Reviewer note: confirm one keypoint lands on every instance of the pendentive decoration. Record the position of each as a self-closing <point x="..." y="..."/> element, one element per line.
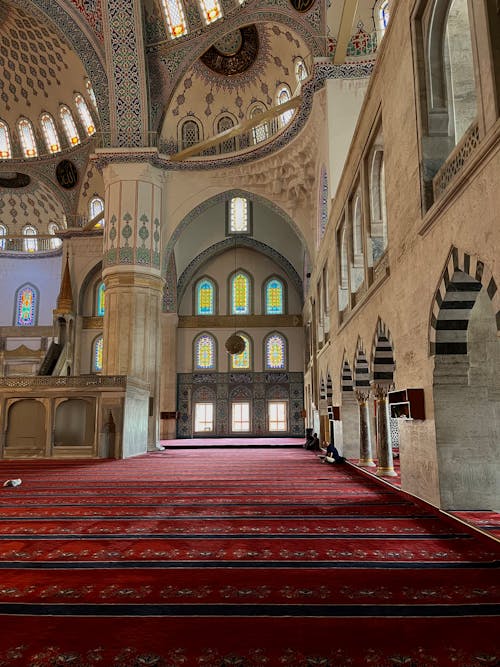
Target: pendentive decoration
<point x="67" y="174"/>
<point x="235" y="344"/>
<point x="234" y="53"/>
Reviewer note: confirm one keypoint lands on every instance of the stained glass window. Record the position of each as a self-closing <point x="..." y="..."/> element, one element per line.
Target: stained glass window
<point x="240" y="294"/>
<point x="30" y="242"/>
<point x="205" y="297"/>
<point x="4" y="141"/>
<point x="174" y="14"/>
<point x="50" y="133"/>
<point x="69" y="126"/>
<point x="100" y="300"/>
<point x="3" y="234"/>
<point x="96" y="206"/>
<point x="274" y="297"/>
<point x="97" y="356"/>
<point x="384" y="14"/>
<point x="204" y="352"/>
<point x="26" y="306"/>
<point x="91" y="93"/>
<point x="211" y="10"/>
<point x="27" y="137"/>
<point x="84" y="113"/>
<point x="238" y="215"/>
<point x="275" y="352"/>
<point x="241" y="361"/>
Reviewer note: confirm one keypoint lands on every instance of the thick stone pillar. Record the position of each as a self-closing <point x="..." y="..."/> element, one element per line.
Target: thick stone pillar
<point x="168" y="387"/>
<point x="133" y="283"/>
<point x="365" y="440"/>
<point x="385" y="466"/>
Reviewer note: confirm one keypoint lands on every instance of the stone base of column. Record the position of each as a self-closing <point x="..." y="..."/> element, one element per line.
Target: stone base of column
<point x="386" y="472"/>
<point x="366" y="463"/>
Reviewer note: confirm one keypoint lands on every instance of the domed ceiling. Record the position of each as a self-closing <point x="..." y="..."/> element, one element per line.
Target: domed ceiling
<point x="38" y="71"/>
<point x="33" y="204"/>
<point x="240" y="70"/>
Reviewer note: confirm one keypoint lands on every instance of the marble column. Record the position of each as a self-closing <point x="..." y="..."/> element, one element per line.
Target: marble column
<point x="365" y="441"/>
<point x="385" y="466"/>
<point x="133" y="284"/>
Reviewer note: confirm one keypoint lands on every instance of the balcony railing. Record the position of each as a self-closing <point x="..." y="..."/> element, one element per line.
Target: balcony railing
<point x="30" y="244"/>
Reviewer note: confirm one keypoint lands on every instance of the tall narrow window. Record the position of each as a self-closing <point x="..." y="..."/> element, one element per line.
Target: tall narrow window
<point x="240" y="294"/>
<point x="69" y="126"/>
<point x="301" y="72"/>
<point x="259" y="132"/>
<point x="239" y="215"/>
<point x="242" y="361"/>
<point x="3" y="237"/>
<point x="275" y="352"/>
<point x="91" y="93"/>
<point x="30" y="242"/>
<point x="96" y="206"/>
<point x="240" y="417"/>
<point x="205" y="297"/>
<point x="27" y="137"/>
<point x="205" y="353"/>
<point x="274" y="297"/>
<point x="5" y="151"/>
<point x="211" y="10"/>
<point x="55" y="242"/>
<point x="50" y="133"/>
<point x="97" y="355"/>
<point x="203" y="417"/>
<point x="190" y="133"/>
<point x="277" y="415"/>
<point x="100" y="305"/>
<point x="26" y="306"/>
<point x="174" y="14"/>
<point x="228" y="145"/>
<point x="323" y="203"/>
<point x="283" y="95"/>
<point x="84" y="113"/>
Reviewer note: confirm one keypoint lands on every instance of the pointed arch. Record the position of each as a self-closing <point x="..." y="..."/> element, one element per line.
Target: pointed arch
<point x="361" y="368"/>
<point x="274" y="296"/>
<point x="383" y="364"/>
<point x="240" y="293"/>
<point x="329" y="388"/>
<point x="205" y="296"/>
<point x="462" y="279"/>
<point x="97" y="352"/>
<point x="346" y="382"/>
<point x="322" y="388"/>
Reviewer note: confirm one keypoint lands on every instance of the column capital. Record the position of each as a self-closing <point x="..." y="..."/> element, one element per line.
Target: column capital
<point x="380" y="390"/>
<point x="362" y="396"/>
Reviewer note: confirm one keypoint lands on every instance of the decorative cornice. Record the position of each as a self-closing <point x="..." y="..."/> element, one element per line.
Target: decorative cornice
<point x="92" y="323"/>
<point x="241" y="321"/>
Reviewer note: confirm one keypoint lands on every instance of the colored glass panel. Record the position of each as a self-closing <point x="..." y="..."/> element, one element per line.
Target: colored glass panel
<point x="205" y="298"/>
<point x="275" y="352"/>
<point x="26" y="308"/>
<point x="30" y="242"/>
<point x="205" y="353"/>
<point x="69" y="126"/>
<point x="274" y="297"/>
<point x="174" y="14"/>
<point x="240" y="294"/>
<point x="27" y="137"/>
<point x="4" y="141"/>
<point x="96" y="206"/>
<point x="242" y="361"/>
<point x="84" y="113"/>
<point x="211" y="10"/>
<point x="100" y="300"/>
<point x="239" y="215"/>
<point x="50" y="133"/>
<point x="98" y="347"/>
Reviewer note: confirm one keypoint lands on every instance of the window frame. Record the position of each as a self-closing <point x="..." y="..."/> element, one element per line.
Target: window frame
<point x="266" y="366"/>
<point x="194" y="356"/>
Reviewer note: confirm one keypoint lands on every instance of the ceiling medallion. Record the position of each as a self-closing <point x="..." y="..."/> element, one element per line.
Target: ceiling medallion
<point x="234" y="53"/>
<point x="14" y="180"/>
<point x="302" y="5"/>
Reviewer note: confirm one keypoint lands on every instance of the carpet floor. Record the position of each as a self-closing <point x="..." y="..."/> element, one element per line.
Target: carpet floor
<point x="236" y="558"/>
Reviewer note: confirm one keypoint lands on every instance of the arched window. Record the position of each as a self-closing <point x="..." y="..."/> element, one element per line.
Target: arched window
<point x="383" y="15"/>
<point x="275" y="352"/>
<point x="357" y="256"/>
<point x="274" y="296"/>
<point x="239" y="218"/>
<point x="84" y="113"/>
<point x="100" y="300"/>
<point x="50" y="133"/>
<point x="27" y="137"/>
<point x="301" y="72"/>
<point x="323" y="203"/>
<point x="69" y="126"/>
<point x="343" y="264"/>
<point x="96" y="206"/>
<point x="283" y="95"/>
<point x="205" y="297"/>
<point x="5" y="151"/>
<point x="97" y="350"/>
<point x="229" y="145"/>
<point x="211" y="10"/>
<point x="205" y="355"/>
<point x="259" y="132"/>
<point x="240" y="294"/>
<point x="378" y="214"/>
<point x="26" y="301"/>
<point x="242" y="361"/>
<point x="190" y="133"/>
<point x="3" y="235"/>
<point x="174" y="15"/>
<point x="55" y="243"/>
<point x="91" y="94"/>
<point x="30" y="242"/>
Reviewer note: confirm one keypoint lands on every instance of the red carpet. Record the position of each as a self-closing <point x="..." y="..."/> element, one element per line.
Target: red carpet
<point x="236" y="558"/>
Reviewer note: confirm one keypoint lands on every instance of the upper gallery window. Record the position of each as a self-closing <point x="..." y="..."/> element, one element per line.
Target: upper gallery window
<point x="84" y="113"/>
<point x="190" y="133"/>
<point x="100" y="300"/>
<point x="69" y="126"/>
<point x="301" y="72"/>
<point x="274" y="297"/>
<point x="3" y="239"/>
<point x="26" y="306"/>
<point x="5" y="151"/>
<point x="97" y="354"/>
<point x="30" y="242"/>
<point x="91" y="93"/>
<point x="259" y="132"/>
<point x="96" y="206"/>
<point x="50" y="133"/>
<point x="55" y="242"/>
<point x="174" y="13"/>
<point x="228" y="145"/>
<point x="275" y="352"/>
<point x="240" y="294"/>
<point x="205" y="352"/>
<point x="205" y="297"/>
<point x="283" y="95"/>
<point x="27" y="137"/>
<point x="211" y="10"/>
<point x="239" y="216"/>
